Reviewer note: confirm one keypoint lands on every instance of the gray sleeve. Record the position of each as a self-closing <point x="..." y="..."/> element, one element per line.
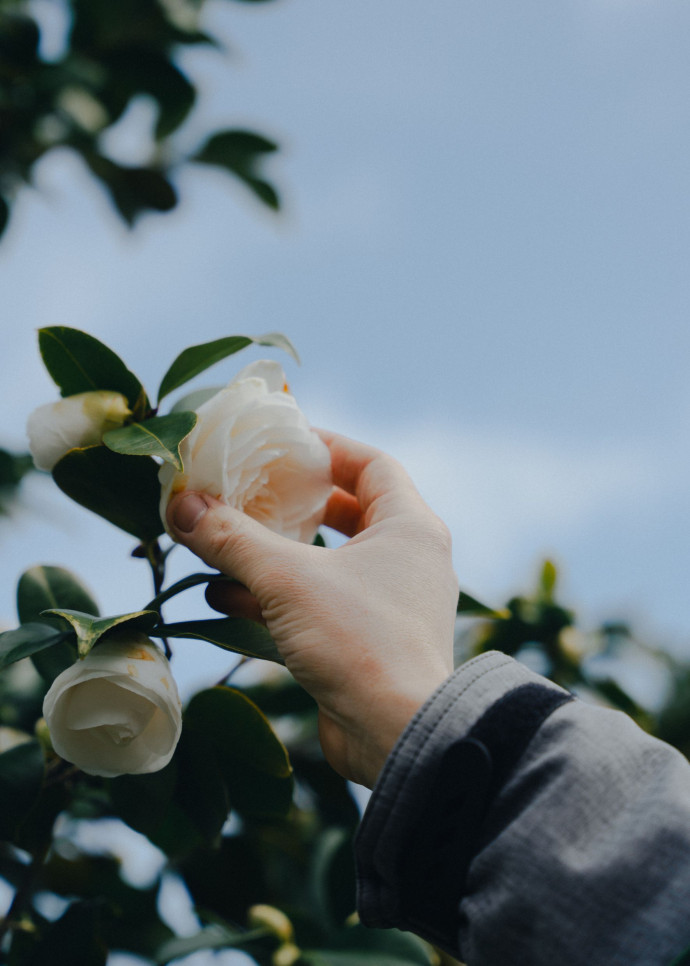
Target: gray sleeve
<point x="513" y="826"/>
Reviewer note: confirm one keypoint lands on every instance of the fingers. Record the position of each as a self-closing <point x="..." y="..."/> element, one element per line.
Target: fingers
<point x="348" y="459"/>
<point x="380" y="484"/>
<point x="343" y="513"/>
<point x="229" y="540"/>
<point x="234" y="600"/>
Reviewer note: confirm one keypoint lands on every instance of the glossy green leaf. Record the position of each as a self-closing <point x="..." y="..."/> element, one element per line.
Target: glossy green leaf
<point x="90" y="629"/>
<point x="160" y="436"/>
<point x="253" y="762"/>
<point x="78" y="363"/>
<point x="240" y="152"/>
<point x="198" y="358"/>
<point x="43" y="587"/>
<point x="27" y="640"/>
<point x="231" y="633"/>
<point x="122" y="489"/>
<point x="39" y="589"/>
<point x="21" y="777"/>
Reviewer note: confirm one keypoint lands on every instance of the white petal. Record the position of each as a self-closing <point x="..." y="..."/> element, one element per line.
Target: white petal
<point x="116" y="711"/>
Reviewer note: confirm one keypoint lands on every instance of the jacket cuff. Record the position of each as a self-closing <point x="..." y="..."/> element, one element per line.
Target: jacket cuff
<point x="422" y="826"/>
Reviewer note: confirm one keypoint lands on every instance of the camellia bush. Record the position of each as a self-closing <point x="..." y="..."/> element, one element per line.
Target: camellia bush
<point x="90" y="717"/>
<point x="256" y="829"/>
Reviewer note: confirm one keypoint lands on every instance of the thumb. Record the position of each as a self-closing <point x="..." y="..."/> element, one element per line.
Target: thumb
<point x="227" y="539"/>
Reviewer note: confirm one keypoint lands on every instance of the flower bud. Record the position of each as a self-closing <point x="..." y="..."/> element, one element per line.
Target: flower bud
<point x="271" y="919"/>
<point x="286" y="955"/>
<point x="116" y="711"/>
<point x="81" y="420"/>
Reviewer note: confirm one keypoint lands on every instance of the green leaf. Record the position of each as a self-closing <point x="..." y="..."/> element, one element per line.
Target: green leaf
<point x="240" y="152"/>
<point x="21" y="777"/>
<point x="231" y="633"/>
<point x="142" y="800"/>
<point x="39" y="589"/>
<point x="332" y="876"/>
<point x="470" y="605"/>
<point x="253" y="762"/>
<point x="43" y="587"/>
<point x="180" y="807"/>
<point x="198" y="358"/>
<point x="27" y="640"/>
<point x="133" y="190"/>
<point x="122" y="489"/>
<point x="160" y="436"/>
<point x="201" y="790"/>
<point x="78" y="363"/>
<point x="90" y="629"/>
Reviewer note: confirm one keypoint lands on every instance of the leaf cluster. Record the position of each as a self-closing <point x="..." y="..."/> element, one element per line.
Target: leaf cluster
<point x="118" y="479"/>
<point x="539" y="630"/>
<point x="291" y="853"/>
<point x="113" y="54"/>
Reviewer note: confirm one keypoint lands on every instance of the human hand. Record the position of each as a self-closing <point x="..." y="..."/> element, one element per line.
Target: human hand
<point x="365" y="628"/>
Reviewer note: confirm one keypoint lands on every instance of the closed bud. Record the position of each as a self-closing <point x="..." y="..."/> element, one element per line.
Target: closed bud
<point x="271" y="919"/>
<point x="75" y="421"/>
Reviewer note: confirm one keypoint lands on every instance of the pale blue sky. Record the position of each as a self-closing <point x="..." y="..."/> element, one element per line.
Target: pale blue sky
<point x="483" y="261"/>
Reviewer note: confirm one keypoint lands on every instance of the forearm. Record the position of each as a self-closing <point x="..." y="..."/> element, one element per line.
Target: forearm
<point x="562" y="835"/>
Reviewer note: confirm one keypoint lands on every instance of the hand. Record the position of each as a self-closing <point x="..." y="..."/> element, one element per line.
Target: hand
<point x="365" y="628"/>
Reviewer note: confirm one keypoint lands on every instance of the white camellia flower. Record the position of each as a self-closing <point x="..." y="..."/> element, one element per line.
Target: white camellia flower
<point x="79" y="420"/>
<point x="253" y="448"/>
<point x="116" y="711"/>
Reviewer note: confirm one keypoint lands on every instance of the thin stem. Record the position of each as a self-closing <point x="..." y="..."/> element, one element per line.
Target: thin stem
<point x="156" y="558"/>
<point x="242" y="661"/>
<point x="184" y="584"/>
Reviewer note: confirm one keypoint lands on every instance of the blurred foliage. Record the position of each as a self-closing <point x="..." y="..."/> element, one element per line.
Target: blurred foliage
<point x="13" y="469"/>
<point x="608" y="665"/>
<point x="257" y="830"/>
<point x="113" y="54"/>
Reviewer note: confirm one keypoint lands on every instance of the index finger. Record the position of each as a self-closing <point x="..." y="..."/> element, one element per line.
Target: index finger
<point x="380" y="484"/>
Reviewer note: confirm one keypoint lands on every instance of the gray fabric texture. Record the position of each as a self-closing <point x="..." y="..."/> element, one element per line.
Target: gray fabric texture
<point x="581" y="858"/>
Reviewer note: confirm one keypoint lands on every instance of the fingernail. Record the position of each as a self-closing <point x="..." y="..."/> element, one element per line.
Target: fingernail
<point x="188" y="511"/>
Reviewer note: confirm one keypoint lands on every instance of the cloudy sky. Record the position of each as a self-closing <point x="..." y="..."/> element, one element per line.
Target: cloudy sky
<point x="483" y="261"/>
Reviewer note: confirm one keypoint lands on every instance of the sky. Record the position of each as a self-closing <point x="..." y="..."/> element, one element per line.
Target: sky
<point x="482" y="260"/>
